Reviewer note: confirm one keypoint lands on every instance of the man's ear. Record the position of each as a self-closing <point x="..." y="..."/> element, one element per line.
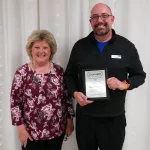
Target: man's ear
<point x="113" y="19"/>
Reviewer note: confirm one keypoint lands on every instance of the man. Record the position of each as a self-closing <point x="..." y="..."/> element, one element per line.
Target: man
<point x="101" y="123"/>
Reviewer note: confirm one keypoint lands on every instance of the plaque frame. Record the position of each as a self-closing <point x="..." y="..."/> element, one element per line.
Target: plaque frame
<point x="84" y="84"/>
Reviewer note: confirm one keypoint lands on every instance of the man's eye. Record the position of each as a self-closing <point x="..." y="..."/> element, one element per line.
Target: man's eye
<point x="105" y="16"/>
<point x="95" y="17"/>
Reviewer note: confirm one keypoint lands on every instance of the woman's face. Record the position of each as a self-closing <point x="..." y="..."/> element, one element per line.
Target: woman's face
<point x="40" y="52"/>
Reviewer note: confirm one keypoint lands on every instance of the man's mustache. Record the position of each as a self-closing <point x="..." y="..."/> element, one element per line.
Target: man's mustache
<point x="99" y="24"/>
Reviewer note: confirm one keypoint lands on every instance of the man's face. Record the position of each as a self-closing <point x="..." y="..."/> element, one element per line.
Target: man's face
<point x="101" y="20"/>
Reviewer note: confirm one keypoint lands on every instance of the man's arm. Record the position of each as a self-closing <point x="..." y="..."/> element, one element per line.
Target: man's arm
<point x="136" y="75"/>
<point x="71" y="79"/>
<point x="71" y="73"/>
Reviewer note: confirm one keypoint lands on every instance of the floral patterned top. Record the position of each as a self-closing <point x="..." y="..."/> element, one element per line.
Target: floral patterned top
<point x="40" y="102"/>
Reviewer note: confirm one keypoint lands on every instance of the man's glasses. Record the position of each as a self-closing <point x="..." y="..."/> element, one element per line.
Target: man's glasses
<point x="102" y="16"/>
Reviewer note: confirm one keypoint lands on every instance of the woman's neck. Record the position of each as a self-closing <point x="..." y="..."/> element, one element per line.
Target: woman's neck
<point x="41" y="68"/>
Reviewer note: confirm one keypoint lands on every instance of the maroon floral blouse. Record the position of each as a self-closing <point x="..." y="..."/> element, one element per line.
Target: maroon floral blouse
<point x="40" y="102"/>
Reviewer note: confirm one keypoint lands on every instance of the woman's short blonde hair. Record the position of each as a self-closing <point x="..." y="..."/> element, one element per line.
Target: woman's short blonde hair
<point x="41" y="35"/>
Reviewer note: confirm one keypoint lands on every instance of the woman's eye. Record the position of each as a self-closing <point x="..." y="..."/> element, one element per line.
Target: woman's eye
<point x="37" y="47"/>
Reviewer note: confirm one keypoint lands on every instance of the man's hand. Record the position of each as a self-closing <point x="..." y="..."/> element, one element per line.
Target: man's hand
<point x="114" y="83"/>
<point x="23" y="135"/>
<point x="81" y="98"/>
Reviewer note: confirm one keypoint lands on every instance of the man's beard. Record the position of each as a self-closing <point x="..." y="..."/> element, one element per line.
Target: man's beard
<point x="99" y="32"/>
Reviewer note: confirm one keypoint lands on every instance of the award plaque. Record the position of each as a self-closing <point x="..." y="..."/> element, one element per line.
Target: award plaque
<point x="95" y="84"/>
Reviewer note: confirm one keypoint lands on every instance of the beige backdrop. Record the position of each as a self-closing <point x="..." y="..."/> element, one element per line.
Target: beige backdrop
<point x="68" y="21"/>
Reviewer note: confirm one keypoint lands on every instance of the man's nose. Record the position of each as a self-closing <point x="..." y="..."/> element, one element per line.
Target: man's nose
<point x="100" y="19"/>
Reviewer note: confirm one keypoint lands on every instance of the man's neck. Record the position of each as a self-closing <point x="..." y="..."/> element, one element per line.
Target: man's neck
<point x="104" y="38"/>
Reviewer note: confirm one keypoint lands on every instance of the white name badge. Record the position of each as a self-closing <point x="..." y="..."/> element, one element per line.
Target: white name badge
<point x="116" y="56"/>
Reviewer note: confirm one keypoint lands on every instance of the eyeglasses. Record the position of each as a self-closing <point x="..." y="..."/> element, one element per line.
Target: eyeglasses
<point x="102" y="16"/>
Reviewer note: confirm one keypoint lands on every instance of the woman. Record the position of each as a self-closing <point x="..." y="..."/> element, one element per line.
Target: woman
<point x="40" y="106"/>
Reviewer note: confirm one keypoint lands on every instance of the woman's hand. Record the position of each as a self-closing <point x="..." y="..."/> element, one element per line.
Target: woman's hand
<point x="70" y="127"/>
<point x="23" y="135"/>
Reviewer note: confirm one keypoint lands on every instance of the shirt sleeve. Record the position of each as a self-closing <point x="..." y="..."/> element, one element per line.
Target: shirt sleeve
<point x="136" y="75"/>
<point x="71" y="73"/>
<point x="68" y="102"/>
<point x="68" y="105"/>
<point x="16" y="99"/>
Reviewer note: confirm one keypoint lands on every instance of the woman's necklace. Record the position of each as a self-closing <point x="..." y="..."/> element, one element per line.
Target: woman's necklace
<point x="48" y="69"/>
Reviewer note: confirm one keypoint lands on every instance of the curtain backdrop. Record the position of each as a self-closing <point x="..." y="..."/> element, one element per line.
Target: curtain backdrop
<point x="68" y="20"/>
